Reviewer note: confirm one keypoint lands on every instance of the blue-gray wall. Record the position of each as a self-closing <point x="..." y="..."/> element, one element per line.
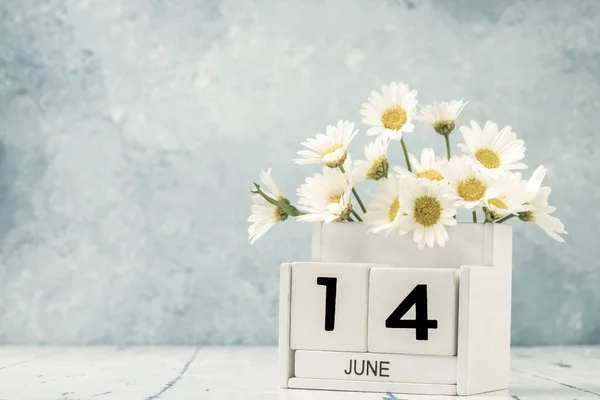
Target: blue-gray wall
<point x="132" y="130"/>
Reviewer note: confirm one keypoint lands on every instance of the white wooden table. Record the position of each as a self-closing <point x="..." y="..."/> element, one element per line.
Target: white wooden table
<point x="245" y="373"/>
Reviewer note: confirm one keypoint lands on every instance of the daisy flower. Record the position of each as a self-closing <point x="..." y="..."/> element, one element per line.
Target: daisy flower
<point x="376" y="166"/>
<point x="383" y="212"/>
<point x="442" y="116"/>
<point x="470" y="187"/>
<point x="428" y="211"/>
<point x="494" y="151"/>
<point x="326" y="197"/>
<point x="390" y="112"/>
<point x="511" y="198"/>
<point x="427" y="168"/>
<point x="264" y="214"/>
<point x="331" y="148"/>
<point x="540" y="214"/>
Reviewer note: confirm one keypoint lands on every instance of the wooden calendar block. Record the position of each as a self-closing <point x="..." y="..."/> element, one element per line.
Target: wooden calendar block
<point x="352" y="243"/>
<point x="285" y="357"/>
<point x="375" y="367"/>
<point x="387" y="317"/>
<point x="484" y="319"/>
<point x="413" y="311"/>
<point x="329" y="306"/>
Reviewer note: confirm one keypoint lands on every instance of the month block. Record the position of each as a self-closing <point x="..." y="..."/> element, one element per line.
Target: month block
<point x="413" y="311"/>
<point x="375" y="367"/>
<point x="329" y="304"/>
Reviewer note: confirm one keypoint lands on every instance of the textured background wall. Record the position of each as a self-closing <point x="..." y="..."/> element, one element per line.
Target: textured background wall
<point x="132" y="130"/>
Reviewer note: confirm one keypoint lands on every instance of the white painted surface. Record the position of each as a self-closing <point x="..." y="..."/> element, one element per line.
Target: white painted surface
<point x="366" y="386"/>
<point x="308" y="307"/>
<point x="70" y="373"/>
<point x="351" y="243"/>
<point x="375" y="367"/>
<point x="388" y="287"/>
<point x="286" y="355"/>
<point x="249" y="373"/>
<point x="576" y="366"/>
<point x="484" y="317"/>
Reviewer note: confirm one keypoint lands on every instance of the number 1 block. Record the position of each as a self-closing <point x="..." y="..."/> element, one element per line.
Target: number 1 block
<point x="413" y="311"/>
<point x="329" y="304"/>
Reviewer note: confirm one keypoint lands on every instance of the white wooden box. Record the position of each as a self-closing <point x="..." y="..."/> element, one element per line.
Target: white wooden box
<point x="373" y="313"/>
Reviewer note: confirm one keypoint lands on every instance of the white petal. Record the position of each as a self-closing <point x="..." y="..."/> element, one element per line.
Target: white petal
<point x="408" y="127"/>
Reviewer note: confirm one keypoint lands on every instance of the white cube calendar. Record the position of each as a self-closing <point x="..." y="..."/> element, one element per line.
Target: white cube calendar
<point x="375" y="314"/>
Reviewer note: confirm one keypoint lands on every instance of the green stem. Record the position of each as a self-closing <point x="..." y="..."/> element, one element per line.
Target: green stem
<point x="474" y="216"/>
<point x="355" y="193"/>
<point x="501" y="220"/>
<point x="356" y="215"/>
<point x="285" y="206"/>
<point x="447" y="137"/>
<point x="405" y="155"/>
<point x="360" y="203"/>
<point x="349" y="218"/>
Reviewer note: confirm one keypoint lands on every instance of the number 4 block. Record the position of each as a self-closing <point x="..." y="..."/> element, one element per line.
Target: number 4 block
<point x="412" y="311"/>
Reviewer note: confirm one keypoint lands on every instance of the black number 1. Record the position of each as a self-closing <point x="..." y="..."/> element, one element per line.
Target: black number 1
<point x="418" y="298"/>
<point x="330" y="295"/>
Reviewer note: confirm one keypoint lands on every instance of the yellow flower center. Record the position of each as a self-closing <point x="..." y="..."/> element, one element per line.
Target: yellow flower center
<point x="278" y="213"/>
<point x="488" y="158"/>
<point x="444" y="127"/>
<point x="527" y="216"/>
<point x="331" y="149"/>
<point x="394" y="208"/>
<point x="337" y="162"/>
<point x="335" y="199"/>
<point x="498" y="203"/>
<point x="379" y="169"/>
<point x="427" y="211"/>
<point x="431" y="174"/>
<point x="471" y="189"/>
<point x="393" y="118"/>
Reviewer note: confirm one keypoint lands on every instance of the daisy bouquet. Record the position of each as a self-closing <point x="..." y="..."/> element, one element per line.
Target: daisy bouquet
<point x="423" y="195"/>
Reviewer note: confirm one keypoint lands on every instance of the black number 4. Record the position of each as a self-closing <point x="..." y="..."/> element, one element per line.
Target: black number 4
<point x="418" y="298"/>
